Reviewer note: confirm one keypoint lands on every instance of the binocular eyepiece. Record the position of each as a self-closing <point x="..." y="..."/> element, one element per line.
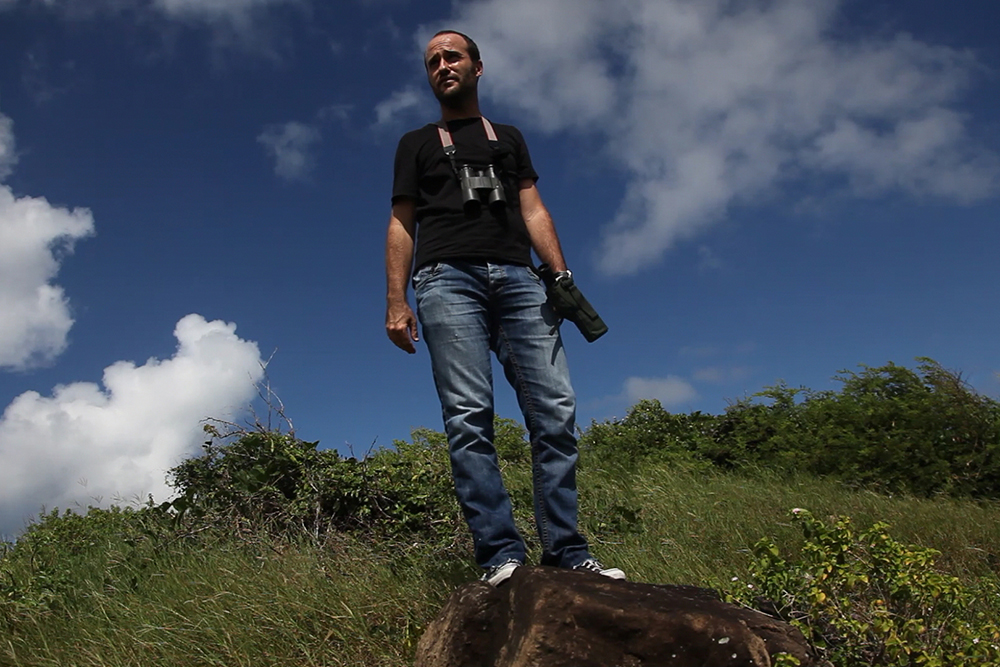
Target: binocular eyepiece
<point x="475" y="184"/>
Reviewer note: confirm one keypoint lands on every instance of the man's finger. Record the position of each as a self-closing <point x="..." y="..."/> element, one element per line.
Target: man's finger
<point x="401" y="339"/>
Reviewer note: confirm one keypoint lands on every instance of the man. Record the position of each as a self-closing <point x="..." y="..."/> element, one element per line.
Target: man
<point x="469" y="187"/>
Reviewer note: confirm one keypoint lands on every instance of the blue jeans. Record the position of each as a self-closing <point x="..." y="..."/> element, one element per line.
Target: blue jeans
<point x="466" y="310"/>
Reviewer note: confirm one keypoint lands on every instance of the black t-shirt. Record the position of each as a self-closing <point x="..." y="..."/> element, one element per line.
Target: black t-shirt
<point x="424" y="174"/>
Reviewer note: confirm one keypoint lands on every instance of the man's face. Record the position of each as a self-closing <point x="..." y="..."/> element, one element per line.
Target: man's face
<point x="450" y="71"/>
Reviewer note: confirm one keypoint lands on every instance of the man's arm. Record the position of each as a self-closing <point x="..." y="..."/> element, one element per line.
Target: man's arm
<point x="400" y="322"/>
<point x="541" y="229"/>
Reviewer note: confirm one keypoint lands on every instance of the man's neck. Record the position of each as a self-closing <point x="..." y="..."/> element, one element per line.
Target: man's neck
<point x="468" y="110"/>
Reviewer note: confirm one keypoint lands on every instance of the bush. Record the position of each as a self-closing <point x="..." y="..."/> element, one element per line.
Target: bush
<point x="923" y="432"/>
<point x="772" y="432"/>
<point x="274" y="481"/>
<point x="890" y="428"/>
<point x="865" y="599"/>
<point x="650" y="431"/>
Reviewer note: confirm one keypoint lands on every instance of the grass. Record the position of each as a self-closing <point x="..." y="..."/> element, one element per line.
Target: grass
<point x="259" y="602"/>
<point x="699" y="527"/>
<point x="234" y="599"/>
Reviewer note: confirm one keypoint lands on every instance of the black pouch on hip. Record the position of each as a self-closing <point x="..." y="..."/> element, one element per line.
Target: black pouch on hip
<point x="568" y="302"/>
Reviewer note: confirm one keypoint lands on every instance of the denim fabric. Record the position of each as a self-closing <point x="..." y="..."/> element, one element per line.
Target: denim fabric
<point x="467" y="310"/>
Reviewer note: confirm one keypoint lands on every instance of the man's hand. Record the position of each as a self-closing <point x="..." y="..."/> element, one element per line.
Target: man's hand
<point x="400" y="322"/>
<point x="401" y="326"/>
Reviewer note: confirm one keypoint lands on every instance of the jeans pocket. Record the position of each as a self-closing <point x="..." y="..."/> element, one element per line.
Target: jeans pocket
<point x="425" y="274"/>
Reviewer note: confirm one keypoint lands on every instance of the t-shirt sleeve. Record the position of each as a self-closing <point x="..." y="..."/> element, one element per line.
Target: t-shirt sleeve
<point x="525" y="170"/>
<point x="405" y="180"/>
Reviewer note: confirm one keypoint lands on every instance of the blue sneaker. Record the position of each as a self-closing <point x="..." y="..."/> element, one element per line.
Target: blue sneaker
<point x="594" y="565"/>
<point x="498" y="574"/>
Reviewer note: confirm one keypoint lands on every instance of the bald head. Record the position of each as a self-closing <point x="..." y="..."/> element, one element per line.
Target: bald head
<point x="470" y="46"/>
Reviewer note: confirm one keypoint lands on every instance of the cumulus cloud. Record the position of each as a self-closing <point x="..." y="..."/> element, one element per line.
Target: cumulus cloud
<point x="8" y="149"/>
<point x="90" y="445"/>
<point x="722" y="374"/>
<point x="670" y="391"/>
<point x="335" y="112"/>
<point x="707" y="104"/>
<point x="212" y="10"/>
<point x="399" y="103"/>
<point x="34" y="237"/>
<point x="239" y="21"/>
<point x="291" y="146"/>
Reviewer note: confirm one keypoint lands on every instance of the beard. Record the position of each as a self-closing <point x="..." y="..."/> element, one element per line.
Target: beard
<point x="458" y="96"/>
<point x="455" y="99"/>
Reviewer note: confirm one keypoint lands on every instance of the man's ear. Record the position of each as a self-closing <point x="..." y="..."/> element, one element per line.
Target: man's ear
<point x="479" y="69"/>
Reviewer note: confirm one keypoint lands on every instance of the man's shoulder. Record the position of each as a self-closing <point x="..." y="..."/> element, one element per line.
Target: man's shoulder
<point x="505" y="126"/>
<point x="504" y="129"/>
<point x="418" y="134"/>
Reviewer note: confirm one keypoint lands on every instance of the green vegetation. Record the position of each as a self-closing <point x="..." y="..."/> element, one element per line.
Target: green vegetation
<point x="867" y="599"/>
<point x="893" y="429"/>
<point x="277" y="553"/>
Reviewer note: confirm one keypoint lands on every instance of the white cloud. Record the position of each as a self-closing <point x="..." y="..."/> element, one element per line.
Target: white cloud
<point x="709" y="104"/>
<point x="670" y="391"/>
<point x="116" y="442"/>
<point x="398" y="104"/>
<point x="242" y="23"/>
<point x="722" y="374"/>
<point x="212" y="10"/>
<point x="291" y="146"/>
<point x="8" y="148"/>
<point x="240" y="19"/>
<point x="87" y="9"/>
<point x="34" y="237"/>
<point x="337" y="112"/>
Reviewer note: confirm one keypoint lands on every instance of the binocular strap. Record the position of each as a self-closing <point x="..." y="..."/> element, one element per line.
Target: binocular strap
<point x="449" y="146"/>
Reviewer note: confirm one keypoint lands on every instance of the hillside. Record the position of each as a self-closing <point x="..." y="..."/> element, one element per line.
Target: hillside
<point x="279" y="553"/>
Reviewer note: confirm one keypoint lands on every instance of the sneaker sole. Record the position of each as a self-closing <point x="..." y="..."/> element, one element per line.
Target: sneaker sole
<point x="503" y="574"/>
<point x="613" y="573"/>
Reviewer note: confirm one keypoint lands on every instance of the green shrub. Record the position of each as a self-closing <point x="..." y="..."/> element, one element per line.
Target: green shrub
<point x="865" y="599"/>
<point x="890" y="428"/>
<point x="274" y="481"/>
<point x="923" y="432"/>
<point x="649" y="431"/>
<point x="767" y="429"/>
<point x="510" y="440"/>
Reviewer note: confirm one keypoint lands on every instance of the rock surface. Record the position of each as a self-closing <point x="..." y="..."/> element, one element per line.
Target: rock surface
<point x="548" y="617"/>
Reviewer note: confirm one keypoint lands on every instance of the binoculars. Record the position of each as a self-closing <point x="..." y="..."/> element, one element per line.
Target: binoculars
<point x="477" y="183"/>
<point x="568" y="302"/>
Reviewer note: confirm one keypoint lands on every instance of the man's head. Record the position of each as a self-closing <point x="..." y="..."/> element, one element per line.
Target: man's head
<point x="453" y="67"/>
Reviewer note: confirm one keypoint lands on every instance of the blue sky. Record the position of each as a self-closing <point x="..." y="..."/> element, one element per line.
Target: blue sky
<point x="190" y="187"/>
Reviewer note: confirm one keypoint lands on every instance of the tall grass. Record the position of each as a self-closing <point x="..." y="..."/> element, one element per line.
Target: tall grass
<point x="698" y="527"/>
<point x="247" y="601"/>
<point x="226" y="597"/>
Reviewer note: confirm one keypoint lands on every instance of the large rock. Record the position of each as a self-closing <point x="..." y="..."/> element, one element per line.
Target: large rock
<point x="548" y="617"/>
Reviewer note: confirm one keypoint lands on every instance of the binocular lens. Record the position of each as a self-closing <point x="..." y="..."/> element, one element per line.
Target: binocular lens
<point x="472" y="207"/>
<point x="474" y="184"/>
